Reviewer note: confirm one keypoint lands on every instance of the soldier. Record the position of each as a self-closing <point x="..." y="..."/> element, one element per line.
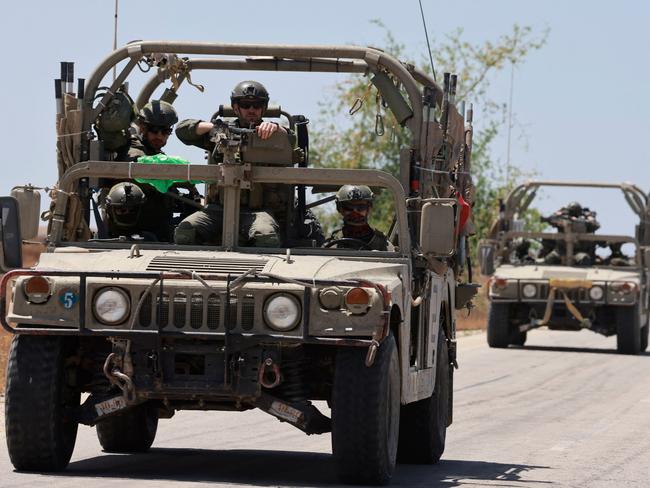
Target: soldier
<point x="155" y="122"/>
<point x="258" y="228"/>
<point x="124" y="207"/>
<point x="354" y="203"/>
<point x="156" y="209"/>
<point x="577" y="219"/>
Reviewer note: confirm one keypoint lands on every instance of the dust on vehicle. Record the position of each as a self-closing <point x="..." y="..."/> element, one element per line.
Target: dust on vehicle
<point x="146" y="328"/>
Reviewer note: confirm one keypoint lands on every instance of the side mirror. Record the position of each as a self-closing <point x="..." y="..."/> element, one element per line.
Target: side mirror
<point x="11" y="251"/>
<point x="486" y="255"/>
<point x="29" y="202"/>
<point x="438" y="227"/>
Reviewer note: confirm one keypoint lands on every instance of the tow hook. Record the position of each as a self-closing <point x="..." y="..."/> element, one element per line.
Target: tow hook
<point x="269" y="376"/>
<point x="372" y="353"/>
<point x="117" y="378"/>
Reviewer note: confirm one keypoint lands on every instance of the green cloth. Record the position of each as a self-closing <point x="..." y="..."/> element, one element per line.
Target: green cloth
<point x="162" y="185"/>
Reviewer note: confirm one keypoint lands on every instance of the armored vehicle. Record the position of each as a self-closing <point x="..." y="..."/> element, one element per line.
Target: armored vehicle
<point x="572" y="279"/>
<point x="142" y="329"/>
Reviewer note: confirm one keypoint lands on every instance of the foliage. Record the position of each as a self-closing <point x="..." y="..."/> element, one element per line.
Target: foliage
<point x="353" y="142"/>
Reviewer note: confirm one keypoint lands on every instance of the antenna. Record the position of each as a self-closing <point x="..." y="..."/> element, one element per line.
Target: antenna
<point x="426" y="35"/>
<point x="115" y="39"/>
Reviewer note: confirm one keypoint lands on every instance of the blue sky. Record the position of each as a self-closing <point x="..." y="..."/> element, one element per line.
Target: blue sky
<point x="581" y="100"/>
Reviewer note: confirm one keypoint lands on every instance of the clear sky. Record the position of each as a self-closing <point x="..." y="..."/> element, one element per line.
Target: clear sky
<point x="581" y="100"/>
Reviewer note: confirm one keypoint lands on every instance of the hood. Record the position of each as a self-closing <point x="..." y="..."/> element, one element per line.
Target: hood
<point x="300" y="266"/>
<point x="546" y="272"/>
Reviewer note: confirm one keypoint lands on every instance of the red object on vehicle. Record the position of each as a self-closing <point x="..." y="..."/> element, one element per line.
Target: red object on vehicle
<point x="465" y="212"/>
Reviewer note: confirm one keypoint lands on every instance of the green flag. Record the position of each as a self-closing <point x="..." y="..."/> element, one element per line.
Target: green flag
<point x="162" y="185"/>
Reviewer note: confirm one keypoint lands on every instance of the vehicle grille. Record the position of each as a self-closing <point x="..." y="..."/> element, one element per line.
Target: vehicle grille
<point x="574" y="294"/>
<point x="206" y="265"/>
<point x="199" y="311"/>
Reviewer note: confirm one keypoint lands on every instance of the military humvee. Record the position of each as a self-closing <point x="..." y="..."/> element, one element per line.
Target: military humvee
<point x="608" y="296"/>
<point x="148" y="328"/>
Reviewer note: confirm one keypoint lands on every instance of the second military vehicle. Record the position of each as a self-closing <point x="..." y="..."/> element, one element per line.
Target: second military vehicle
<point x="557" y="280"/>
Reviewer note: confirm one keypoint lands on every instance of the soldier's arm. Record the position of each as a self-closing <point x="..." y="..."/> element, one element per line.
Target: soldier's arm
<point x="195" y="132"/>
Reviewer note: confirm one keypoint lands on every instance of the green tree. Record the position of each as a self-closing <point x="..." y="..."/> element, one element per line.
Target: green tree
<point x="353" y="142"/>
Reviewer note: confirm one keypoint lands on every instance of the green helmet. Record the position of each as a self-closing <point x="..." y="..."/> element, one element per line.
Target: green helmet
<point x="249" y="90"/>
<point x="350" y="193"/>
<point x="158" y="113"/>
<point x="124" y="203"/>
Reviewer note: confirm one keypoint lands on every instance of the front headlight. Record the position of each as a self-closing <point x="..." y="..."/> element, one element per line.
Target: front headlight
<point x="596" y="293"/>
<point x="111" y="306"/>
<point x="282" y="311"/>
<point x="529" y="290"/>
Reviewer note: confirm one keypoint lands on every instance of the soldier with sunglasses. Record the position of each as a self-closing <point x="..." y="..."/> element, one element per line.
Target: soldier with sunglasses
<point x="155" y="122"/>
<point x="249" y="100"/>
<point x="354" y="203"/>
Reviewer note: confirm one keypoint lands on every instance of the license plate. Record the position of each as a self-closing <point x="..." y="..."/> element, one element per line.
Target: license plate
<point x="111" y="405"/>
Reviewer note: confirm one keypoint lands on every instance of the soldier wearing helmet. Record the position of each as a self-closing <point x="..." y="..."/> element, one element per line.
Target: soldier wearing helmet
<point x="155" y="122"/>
<point x="576" y="219"/>
<point x="249" y="100"/>
<point x="354" y="203"/>
<point x="124" y="204"/>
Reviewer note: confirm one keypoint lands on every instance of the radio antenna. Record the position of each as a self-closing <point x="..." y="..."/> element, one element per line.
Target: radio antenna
<point x="426" y="35"/>
<point x="115" y="39"/>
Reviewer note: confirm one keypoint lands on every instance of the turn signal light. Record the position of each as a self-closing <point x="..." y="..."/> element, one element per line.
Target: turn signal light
<point x="357" y="300"/>
<point x="37" y="289"/>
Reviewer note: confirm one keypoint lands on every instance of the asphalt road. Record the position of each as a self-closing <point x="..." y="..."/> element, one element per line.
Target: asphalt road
<point x="562" y="411"/>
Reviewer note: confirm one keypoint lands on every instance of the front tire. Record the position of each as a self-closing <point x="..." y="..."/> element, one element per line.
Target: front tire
<point x="628" y="330"/>
<point x="498" y="327"/>
<point x="132" y="431"/>
<point x="423" y="424"/>
<point x="365" y="414"/>
<point x="41" y="431"/>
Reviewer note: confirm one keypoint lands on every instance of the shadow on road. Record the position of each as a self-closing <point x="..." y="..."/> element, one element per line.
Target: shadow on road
<point x="574" y="349"/>
<point x="264" y="468"/>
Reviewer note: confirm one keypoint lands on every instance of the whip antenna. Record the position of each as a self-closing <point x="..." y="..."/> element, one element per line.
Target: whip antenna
<point x="115" y="38"/>
<point x="426" y="35"/>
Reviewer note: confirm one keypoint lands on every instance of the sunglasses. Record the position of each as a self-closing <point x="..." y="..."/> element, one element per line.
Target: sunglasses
<point x="159" y="130"/>
<point x="247" y="105"/>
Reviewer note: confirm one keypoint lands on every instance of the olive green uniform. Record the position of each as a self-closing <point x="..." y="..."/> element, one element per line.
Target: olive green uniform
<point x="375" y="240"/>
<point x="257" y="220"/>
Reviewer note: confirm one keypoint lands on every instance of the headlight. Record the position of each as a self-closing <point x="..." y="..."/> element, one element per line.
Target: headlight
<point x="596" y="293"/>
<point x="111" y="306"/>
<point x="282" y="311"/>
<point x="529" y="290"/>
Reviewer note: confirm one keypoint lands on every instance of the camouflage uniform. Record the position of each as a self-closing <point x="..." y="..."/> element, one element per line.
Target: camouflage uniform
<point x="257" y="226"/>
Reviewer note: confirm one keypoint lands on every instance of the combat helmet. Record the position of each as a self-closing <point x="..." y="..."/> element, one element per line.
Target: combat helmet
<point x="350" y="193"/>
<point x="158" y="113"/>
<point x="574" y="209"/>
<point x="124" y="203"/>
<point x="249" y="90"/>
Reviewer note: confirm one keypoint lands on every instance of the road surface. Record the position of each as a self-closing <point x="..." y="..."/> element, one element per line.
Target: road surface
<point x="564" y="410"/>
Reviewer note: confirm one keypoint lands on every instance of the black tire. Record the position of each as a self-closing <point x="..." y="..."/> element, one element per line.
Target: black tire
<point x="132" y="431"/>
<point x="41" y="432"/>
<point x="644" y="337"/>
<point x="365" y="414"/>
<point x="518" y="338"/>
<point x="423" y="424"/>
<point x="498" y="327"/>
<point x="628" y="330"/>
